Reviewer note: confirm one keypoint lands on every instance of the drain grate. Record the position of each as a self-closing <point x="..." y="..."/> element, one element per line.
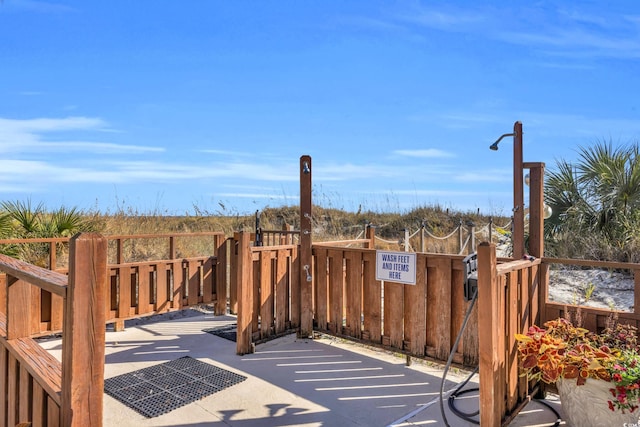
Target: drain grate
<point x="227" y="332"/>
<point x="159" y="389"/>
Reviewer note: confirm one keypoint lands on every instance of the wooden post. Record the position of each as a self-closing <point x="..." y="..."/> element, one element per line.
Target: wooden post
<point x="370" y="234"/>
<point x="488" y="336"/>
<point x="518" y="194"/>
<point x="245" y="293"/>
<point x="222" y="248"/>
<point x="306" y="256"/>
<point x="83" y="339"/>
<point x="18" y="308"/>
<point x="536" y="209"/>
<point x="52" y="256"/>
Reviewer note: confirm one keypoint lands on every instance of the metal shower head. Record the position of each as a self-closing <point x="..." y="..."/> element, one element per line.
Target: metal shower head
<point x="494" y="146"/>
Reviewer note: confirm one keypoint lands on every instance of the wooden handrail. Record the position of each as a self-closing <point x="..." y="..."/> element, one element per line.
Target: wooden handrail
<point x="592" y="263"/>
<point x="51" y="281"/>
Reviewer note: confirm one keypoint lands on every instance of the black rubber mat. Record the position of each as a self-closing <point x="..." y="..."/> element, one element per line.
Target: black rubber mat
<point x="227" y="332"/>
<point x="159" y="389"/>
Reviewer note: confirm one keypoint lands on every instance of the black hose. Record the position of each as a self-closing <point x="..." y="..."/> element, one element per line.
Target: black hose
<point x="457" y="391"/>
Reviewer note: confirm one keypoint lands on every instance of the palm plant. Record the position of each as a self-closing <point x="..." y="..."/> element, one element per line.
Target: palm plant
<point x="22" y="220"/>
<point x="595" y="202"/>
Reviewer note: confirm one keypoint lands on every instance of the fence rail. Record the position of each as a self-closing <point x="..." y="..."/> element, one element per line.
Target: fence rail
<point x="35" y="387"/>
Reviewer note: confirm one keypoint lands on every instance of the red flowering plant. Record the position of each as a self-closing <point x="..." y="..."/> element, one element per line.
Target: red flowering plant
<point x="562" y="350"/>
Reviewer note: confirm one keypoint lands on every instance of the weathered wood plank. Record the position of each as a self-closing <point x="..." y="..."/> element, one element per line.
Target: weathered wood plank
<point x="353" y="287"/>
<point x="12" y="391"/>
<point x="4" y="376"/>
<point x="322" y="295"/>
<point x="221" y="277"/>
<point x="488" y="331"/>
<point x="245" y="294"/>
<point x="39" y="406"/>
<point x="51" y="281"/>
<point x="393" y="314"/>
<point x="372" y="297"/>
<point x="336" y="283"/>
<point x="193" y="274"/>
<point x="24" y="395"/>
<point x="512" y="328"/>
<point x="53" y="413"/>
<point x="294" y="315"/>
<point x="145" y="294"/>
<point x="208" y="280"/>
<point x="415" y="309"/>
<point x="266" y="295"/>
<point x="281" y="287"/>
<point x="439" y="311"/>
<point x="18" y="308"/>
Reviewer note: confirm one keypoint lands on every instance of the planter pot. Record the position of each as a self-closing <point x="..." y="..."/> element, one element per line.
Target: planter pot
<point x="586" y="405"/>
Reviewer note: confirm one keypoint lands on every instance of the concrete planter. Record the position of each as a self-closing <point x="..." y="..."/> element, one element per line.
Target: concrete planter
<point x="586" y="405"/>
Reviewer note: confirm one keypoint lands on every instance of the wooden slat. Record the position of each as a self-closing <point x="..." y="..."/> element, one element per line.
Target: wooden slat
<point x="245" y="294"/>
<point x="18" y="308"/>
<point x="266" y="295"/>
<point x="4" y="383"/>
<point x="294" y="315"/>
<point x="336" y="279"/>
<point x="415" y="309"/>
<point x="281" y="288"/>
<point x="24" y="395"/>
<point x="235" y="271"/>
<point x="208" y="280"/>
<point x="488" y="331"/>
<point x="512" y="327"/>
<point x="39" y="406"/>
<point x="393" y="313"/>
<point x="439" y="311"/>
<point x="372" y="294"/>
<point x="53" y="413"/>
<point x="124" y="292"/>
<point x="57" y="312"/>
<point x="144" y="294"/>
<point x="524" y="321"/>
<point x="179" y="279"/>
<point x="36" y="311"/>
<point x="353" y="286"/>
<point x="193" y="271"/>
<point x="221" y="278"/>
<point x="12" y="391"/>
<point x="162" y="288"/>
<point x="322" y="294"/>
<point x="255" y="289"/>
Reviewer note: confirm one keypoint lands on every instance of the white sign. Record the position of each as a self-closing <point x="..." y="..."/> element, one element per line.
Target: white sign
<point x="396" y="267"/>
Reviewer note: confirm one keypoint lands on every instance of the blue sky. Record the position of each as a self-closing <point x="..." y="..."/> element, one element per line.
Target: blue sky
<point x="171" y="107"/>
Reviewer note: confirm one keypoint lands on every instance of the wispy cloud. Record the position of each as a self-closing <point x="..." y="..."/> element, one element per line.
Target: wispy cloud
<point x="432" y="153"/>
<point x="20" y="136"/>
<point x="39" y="6"/>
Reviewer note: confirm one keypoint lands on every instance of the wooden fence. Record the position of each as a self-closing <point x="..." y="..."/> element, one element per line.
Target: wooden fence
<point x="139" y="288"/>
<point x="34" y="386"/>
<point x="421" y="320"/>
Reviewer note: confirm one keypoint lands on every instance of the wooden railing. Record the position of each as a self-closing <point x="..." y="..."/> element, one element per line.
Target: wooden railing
<point x="511" y="297"/>
<point x="267" y="300"/>
<point x="35" y="387"/>
<point x="593" y="318"/>
<point x="140" y="288"/>
<point x="421" y="320"/>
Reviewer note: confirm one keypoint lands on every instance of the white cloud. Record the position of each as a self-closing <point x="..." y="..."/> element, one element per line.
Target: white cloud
<point x="432" y="153"/>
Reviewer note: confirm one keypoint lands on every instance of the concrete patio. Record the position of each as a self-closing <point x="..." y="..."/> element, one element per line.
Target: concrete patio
<point x="289" y="381"/>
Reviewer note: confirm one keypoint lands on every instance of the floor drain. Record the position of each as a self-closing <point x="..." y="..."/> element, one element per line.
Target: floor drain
<point x="227" y="332"/>
<point x="159" y="389"/>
